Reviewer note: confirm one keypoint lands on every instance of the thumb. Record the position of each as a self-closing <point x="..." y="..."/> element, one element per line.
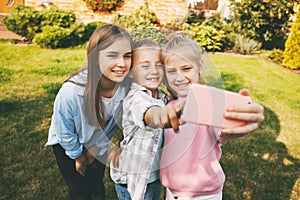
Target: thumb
<point x="244" y="92"/>
<point x="179" y="106"/>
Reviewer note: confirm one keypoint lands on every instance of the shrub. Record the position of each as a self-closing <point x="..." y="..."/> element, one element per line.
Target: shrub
<point x="292" y="46"/>
<point x="245" y="45"/>
<point x="52" y="37"/>
<point x="58" y="37"/>
<point x="142" y="17"/>
<point x="144" y="32"/>
<point x="267" y="21"/>
<point x="27" y="22"/>
<point x="220" y="24"/>
<point x="24" y="21"/>
<point x="276" y="56"/>
<point x="90" y="28"/>
<point x="208" y="37"/>
<point x="55" y="17"/>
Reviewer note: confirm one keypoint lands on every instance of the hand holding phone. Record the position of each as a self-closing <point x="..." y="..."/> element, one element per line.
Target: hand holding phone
<point x="207" y="105"/>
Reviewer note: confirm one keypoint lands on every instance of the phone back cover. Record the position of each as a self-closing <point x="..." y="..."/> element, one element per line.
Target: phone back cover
<point x="207" y="105"/>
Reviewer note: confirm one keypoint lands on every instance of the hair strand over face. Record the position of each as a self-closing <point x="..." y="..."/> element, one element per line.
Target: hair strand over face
<point x="102" y="38"/>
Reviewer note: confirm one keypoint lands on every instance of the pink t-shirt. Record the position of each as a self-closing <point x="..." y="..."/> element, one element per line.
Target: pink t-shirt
<point x="190" y="161"/>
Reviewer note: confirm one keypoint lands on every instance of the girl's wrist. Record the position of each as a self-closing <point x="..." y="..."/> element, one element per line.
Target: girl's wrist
<point x="81" y="158"/>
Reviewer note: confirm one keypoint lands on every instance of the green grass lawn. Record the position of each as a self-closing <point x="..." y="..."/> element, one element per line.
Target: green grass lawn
<point x="263" y="165"/>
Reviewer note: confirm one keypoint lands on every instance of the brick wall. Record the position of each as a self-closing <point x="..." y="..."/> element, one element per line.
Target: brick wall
<point x="166" y="10"/>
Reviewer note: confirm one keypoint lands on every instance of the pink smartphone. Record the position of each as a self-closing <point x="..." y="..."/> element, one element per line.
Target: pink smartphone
<point x="207" y="105"/>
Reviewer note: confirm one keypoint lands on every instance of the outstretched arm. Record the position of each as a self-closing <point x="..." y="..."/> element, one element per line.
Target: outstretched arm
<point x="164" y="117"/>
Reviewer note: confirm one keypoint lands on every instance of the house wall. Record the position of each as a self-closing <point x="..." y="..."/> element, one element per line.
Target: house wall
<point x="6" y="6"/>
<point x="166" y="10"/>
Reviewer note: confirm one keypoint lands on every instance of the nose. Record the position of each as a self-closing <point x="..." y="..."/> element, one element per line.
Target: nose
<point x="121" y="62"/>
<point x="154" y="69"/>
<point x="180" y="77"/>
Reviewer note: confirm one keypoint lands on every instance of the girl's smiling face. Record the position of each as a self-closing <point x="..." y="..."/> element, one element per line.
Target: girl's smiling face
<point x="147" y="69"/>
<point x="180" y="74"/>
<point x="115" y="60"/>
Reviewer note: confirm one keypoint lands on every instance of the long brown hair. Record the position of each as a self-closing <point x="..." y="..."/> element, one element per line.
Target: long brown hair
<point x="102" y="38"/>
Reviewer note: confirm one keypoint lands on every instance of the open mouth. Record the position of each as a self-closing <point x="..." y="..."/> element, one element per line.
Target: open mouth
<point x="119" y="72"/>
<point x="182" y="85"/>
<point x="153" y="79"/>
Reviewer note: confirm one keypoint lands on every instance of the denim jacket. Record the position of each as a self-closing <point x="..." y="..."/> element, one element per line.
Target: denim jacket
<point x="69" y="126"/>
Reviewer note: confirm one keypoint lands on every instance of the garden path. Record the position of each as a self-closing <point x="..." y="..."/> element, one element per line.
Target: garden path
<point x="6" y="34"/>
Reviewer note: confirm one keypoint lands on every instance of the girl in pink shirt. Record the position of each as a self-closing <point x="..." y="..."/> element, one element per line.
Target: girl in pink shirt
<point x="190" y="167"/>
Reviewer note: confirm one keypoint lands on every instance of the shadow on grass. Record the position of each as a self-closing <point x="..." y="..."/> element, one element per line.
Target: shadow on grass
<point x="258" y="166"/>
<point x="28" y="169"/>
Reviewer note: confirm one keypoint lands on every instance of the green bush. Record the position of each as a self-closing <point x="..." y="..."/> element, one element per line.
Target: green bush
<point x="220" y="24"/>
<point x="53" y="37"/>
<point x="27" y="22"/>
<point x="292" y="46"/>
<point x="90" y="28"/>
<point x="55" y="17"/>
<point x="144" y="32"/>
<point x="207" y="36"/>
<point x="58" y="37"/>
<point x="245" y="45"/>
<point x="24" y="21"/>
<point x="194" y="16"/>
<point x="142" y="17"/>
<point x="276" y="56"/>
<point x="267" y="21"/>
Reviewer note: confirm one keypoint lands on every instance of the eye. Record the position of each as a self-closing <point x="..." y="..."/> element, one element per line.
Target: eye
<point x="128" y="56"/>
<point x="171" y="71"/>
<point x="145" y="66"/>
<point x="187" y="68"/>
<point x="159" y="66"/>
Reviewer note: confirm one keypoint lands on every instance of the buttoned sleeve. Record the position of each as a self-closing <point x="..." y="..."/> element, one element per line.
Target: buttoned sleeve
<point x="64" y="119"/>
<point x="135" y="106"/>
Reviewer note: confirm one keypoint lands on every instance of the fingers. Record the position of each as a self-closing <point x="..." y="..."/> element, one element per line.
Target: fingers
<point x="89" y="157"/>
<point x="81" y="172"/>
<point x="80" y="168"/>
<point x="248" y="117"/>
<point x="173" y="114"/>
<point x="173" y="118"/>
<point x="253" y="112"/>
<point x="242" y="130"/>
<point x="114" y="157"/>
<point x="252" y="107"/>
<point x="115" y="162"/>
<point x="164" y="117"/>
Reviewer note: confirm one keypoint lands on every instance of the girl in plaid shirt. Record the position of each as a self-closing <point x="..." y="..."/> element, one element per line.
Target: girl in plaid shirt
<point x="144" y="116"/>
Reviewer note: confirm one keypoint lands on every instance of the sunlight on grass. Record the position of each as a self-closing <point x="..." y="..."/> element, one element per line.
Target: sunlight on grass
<point x="274" y="87"/>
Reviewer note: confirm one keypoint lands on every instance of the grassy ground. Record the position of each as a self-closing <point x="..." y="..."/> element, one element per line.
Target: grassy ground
<point x="264" y="165"/>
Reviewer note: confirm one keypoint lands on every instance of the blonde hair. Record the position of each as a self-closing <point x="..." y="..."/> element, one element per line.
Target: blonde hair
<point x="185" y="48"/>
<point x="192" y="49"/>
<point x="146" y="43"/>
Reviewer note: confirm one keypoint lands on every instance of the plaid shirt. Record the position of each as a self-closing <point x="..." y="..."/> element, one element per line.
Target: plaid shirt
<point x="140" y="143"/>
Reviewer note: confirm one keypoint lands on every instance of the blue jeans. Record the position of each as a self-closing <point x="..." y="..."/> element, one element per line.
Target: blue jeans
<point x="152" y="192"/>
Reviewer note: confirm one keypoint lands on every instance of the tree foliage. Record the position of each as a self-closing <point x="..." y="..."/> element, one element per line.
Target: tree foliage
<point x="266" y="21"/>
<point x="291" y="54"/>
